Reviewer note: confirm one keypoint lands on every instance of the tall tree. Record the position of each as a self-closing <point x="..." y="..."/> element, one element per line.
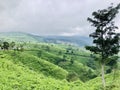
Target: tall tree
<point x="105" y="37"/>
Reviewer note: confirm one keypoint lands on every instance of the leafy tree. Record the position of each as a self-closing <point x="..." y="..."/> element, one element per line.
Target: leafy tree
<point x="47" y="48"/>
<point x="5" y="46"/>
<point x="64" y="58"/>
<point x="90" y="63"/>
<point x="1" y="43"/>
<point x="71" y="60"/>
<point x="72" y="76"/>
<point x="12" y="45"/>
<point x="39" y="53"/>
<point x="21" y="47"/>
<point x="60" y="52"/>
<point x="105" y="38"/>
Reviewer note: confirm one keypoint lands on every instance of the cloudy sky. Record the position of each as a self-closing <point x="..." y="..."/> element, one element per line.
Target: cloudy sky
<point x="50" y="17"/>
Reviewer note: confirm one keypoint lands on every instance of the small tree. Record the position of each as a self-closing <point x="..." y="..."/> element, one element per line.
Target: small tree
<point x="39" y="53"/>
<point x="105" y="39"/>
<point x="5" y="46"/>
<point x="12" y="45"/>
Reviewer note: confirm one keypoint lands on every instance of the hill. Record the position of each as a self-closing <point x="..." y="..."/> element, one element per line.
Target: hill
<point x="26" y="71"/>
<point x="17" y="76"/>
<point x="77" y="40"/>
<point x="17" y="37"/>
<point x="50" y="66"/>
<point x="26" y="37"/>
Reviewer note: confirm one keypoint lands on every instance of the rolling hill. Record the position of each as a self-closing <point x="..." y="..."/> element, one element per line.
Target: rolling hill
<point x="26" y="37"/>
<point x="17" y="37"/>
<point x="30" y="70"/>
<point x="51" y="63"/>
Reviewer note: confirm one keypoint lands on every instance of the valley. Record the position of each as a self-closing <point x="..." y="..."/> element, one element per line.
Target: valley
<point x="47" y="65"/>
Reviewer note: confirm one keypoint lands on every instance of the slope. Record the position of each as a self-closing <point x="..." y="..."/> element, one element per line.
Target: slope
<point x="26" y="37"/>
<point x="113" y="82"/>
<point x="15" y="75"/>
<point x="17" y="37"/>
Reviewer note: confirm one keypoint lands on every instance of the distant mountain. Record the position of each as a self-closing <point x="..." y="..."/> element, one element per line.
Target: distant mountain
<point x="26" y="37"/>
<point x="77" y="40"/>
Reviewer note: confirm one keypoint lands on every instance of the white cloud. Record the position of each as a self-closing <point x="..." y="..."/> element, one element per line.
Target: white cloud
<point x="83" y="31"/>
<point x="49" y="17"/>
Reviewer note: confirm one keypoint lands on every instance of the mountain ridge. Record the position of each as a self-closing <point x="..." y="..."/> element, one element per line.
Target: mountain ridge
<point x="27" y="37"/>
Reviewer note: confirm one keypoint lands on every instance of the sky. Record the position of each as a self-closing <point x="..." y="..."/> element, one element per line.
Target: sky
<point x="51" y="17"/>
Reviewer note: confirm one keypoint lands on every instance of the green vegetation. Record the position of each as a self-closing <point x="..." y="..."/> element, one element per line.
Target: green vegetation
<point x="105" y="38"/>
<point x="17" y="37"/>
<point x="20" y="77"/>
<point x="36" y="68"/>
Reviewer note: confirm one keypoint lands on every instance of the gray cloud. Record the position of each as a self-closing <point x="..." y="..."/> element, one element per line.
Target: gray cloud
<point x="50" y="17"/>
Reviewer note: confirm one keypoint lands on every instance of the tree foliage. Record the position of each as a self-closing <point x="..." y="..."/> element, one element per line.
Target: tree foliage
<point x="105" y="38"/>
<point x="5" y="46"/>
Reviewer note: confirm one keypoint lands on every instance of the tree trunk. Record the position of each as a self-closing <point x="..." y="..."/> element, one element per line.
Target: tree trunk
<point x="114" y="74"/>
<point x="103" y="73"/>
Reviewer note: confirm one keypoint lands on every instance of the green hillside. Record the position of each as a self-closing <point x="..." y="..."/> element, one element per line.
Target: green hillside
<point x="113" y="82"/>
<point x="19" y="77"/>
<point x="26" y="72"/>
<point x="26" y="37"/>
<point x="49" y="66"/>
<point x="17" y="37"/>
